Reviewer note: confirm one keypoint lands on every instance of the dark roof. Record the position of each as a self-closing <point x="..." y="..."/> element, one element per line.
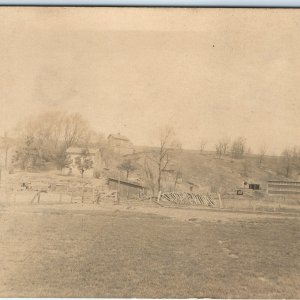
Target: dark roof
<point x="119" y="137"/>
<point x="193" y="184"/>
<point x="128" y="183"/>
<point x="283" y="182"/>
<point x="78" y="150"/>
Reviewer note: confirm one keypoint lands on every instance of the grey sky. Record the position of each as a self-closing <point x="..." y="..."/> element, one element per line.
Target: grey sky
<point x="207" y="72"/>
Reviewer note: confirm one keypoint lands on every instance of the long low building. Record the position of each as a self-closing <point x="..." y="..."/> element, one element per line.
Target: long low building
<point x="126" y="187"/>
<point x="279" y="187"/>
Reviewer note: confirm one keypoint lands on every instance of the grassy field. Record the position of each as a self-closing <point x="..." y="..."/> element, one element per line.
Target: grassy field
<point x="58" y="252"/>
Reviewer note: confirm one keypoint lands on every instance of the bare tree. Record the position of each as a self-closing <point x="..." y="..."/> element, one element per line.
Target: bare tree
<point x="62" y="160"/>
<point x="238" y="148"/>
<point x="6" y="144"/>
<point x="178" y="176"/>
<point x="219" y="150"/>
<point x="262" y="154"/>
<point x="290" y="158"/>
<point x="296" y="158"/>
<point x="76" y="130"/>
<point x="296" y="153"/>
<point x="203" y="143"/>
<point x="97" y="140"/>
<point x="150" y="177"/>
<point x="222" y="147"/>
<point x="84" y="162"/>
<point x="161" y="158"/>
<point x="45" y="129"/>
<point x="27" y="154"/>
<point x="167" y="145"/>
<point x="53" y="132"/>
<point x="128" y="166"/>
<point x="248" y="151"/>
<point x="287" y="155"/>
<point x="225" y="144"/>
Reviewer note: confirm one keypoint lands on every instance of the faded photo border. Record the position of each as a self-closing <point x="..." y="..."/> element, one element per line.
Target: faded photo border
<point x="291" y="4"/>
<point x="158" y="3"/>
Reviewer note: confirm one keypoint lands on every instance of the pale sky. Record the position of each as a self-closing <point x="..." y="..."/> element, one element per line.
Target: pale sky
<point x="207" y="72"/>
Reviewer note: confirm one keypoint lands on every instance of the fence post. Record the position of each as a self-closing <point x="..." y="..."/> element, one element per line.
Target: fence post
<point x="82" y="196"/>
<point x="158" y="197"/>
<point x="254" y="206"/>
<point x="34" y="197"/>
<point x="220" y="200"/>
<point x="117" y="199"/>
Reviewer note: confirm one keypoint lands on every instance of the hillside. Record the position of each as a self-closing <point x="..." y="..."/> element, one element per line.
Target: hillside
<point x="206" y="170"/>
<point x="203" y="170"/>
<point x="225" y="174"/>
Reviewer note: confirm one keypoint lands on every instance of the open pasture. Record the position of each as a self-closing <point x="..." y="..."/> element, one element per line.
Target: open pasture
<point x="77" y="251"/>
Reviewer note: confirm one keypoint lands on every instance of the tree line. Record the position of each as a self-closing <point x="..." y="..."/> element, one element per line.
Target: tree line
<point x="289" y="160"/>
<point x="44" y="138"/>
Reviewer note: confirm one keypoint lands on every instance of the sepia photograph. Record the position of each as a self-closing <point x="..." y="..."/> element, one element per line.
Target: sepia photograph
<point x="149" y="152"/>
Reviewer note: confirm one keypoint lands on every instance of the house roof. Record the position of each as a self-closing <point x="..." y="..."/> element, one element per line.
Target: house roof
<point x="78" y="150"/>
<point x="126" y="182"/>
<point x="192" y="184"/>
<point x="119" y="137"/>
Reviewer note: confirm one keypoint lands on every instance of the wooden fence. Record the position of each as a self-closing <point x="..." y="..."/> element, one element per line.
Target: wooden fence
<point x="183" y="198"/>
<point x="61" y="193"/>
<point x="83" y="193"/>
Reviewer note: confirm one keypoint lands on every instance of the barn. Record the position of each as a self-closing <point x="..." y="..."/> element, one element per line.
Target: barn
<point x="120" y="144"/>
<point x="127" y="188"/>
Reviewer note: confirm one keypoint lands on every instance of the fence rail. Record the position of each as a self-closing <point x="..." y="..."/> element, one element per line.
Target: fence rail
<point x="184" y="198"/>
<point x="38" y="192"/>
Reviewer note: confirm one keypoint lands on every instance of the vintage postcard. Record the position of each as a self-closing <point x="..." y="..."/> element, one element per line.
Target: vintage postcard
<point x="149" y="152"/>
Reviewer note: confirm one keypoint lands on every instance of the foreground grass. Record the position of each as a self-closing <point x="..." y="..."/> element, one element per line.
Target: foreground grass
<point x="126" y="254"/>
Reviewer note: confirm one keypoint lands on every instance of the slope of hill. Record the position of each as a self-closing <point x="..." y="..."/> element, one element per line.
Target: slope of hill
<point x="225" y="174"/>
<point x="205" y="169"/>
